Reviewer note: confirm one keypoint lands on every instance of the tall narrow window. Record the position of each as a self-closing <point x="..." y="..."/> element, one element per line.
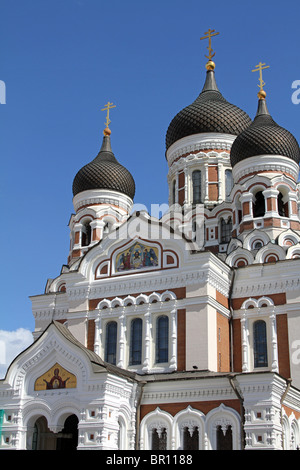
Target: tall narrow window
<point x="174" y="192"/>
<point x="282" y="207"/>
<point x="196" y="179"/>
<point x="162" y="339"/>
<point x="260" y="344"/>
<point x="136" y="342"/>
<point x="259" y="205"/>
<point x="226" y="229"/>
<point x="86" y="234"/>
<point x="111" y="342"/>
<point x="228" y="182"/>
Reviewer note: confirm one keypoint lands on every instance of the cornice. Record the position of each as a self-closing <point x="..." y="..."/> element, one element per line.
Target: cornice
<point x="198" y="142"/>
<point x="264" y="279"/>
<point x="261" y="163"/>
<point x="100" y="196"/>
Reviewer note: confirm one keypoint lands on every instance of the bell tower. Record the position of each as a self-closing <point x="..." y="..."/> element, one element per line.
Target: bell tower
<point x="103" y="193"/>
<point x="198" y="144"/>
<point x="265" y="161"/>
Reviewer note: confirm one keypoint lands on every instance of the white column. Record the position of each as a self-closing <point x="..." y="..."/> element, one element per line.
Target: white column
<point x="97" y="339"/>
<point x="186" y="180"/>
<point x="244" y="327"/>
<point x="274" y="343"/>
<point x="173" y="359"/>
<point x="122" y="341"/>
<point x="147" y="318"/>
<point x="206" y="198"/>
<point x="220" y="183"/>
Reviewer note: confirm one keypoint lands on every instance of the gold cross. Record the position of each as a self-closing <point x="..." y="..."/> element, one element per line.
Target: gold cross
<point x="209" y="36"/>
<point x="107" y="107"/>
<point x="260" y="67"/>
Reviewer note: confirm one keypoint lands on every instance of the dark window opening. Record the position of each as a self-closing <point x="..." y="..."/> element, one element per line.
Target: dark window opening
<point x="111" y="343"/>
<point x="136" y="341"/>
<point x="260" y="344"/>
<point x="259" y="205"/>
<point x="162" y="339"/>
<point x="191" y="439"/>
<point x="196" y="179"/>
<point x="159" y="439"/>
<point x="224" y="438"/>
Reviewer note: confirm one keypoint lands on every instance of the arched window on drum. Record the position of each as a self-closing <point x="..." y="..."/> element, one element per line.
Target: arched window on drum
<point x="196" y="180"/>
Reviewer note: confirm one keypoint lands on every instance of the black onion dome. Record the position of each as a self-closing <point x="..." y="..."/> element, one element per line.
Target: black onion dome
<point x="104" y="172"/>
<point x="264" y="137"/>
<point x="210" y="112"/>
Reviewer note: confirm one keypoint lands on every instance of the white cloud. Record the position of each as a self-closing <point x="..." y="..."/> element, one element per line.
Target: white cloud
<point x="12" y="343"/>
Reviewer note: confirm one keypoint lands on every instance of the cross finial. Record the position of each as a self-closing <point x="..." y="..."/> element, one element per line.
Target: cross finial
<point x="107" y="107"/>
<point x="209" y="34"/>
<point x="260" y="67"/>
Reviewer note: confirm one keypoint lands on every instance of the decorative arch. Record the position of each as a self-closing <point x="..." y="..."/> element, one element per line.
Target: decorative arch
<point x="293" y="252"/>
<point x="239" y="254"/>
<point x="156" y="420"/>
<point x="255" y="236"/>
<point x="223" y="417"/>
<point x="288" y="239"/>
<point x="270" y="253"/>
<point x="257" y="303"/>
<point x="189" y="419"/>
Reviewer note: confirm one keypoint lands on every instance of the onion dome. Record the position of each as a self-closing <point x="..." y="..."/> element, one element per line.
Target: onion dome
<point x="264" y="137"/>
<point x="104" y="172"/>
<point x="210" y="112"/>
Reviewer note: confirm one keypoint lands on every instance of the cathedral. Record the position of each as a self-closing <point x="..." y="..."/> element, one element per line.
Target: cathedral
<point x="177" y="333"/>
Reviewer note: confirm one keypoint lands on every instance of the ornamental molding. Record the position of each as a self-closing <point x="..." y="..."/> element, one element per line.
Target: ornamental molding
<point x="261" y="163"/>
<point x="99" y="196"/>
<point x="206" y="158"/>
<point x="249" y="289"/>
<point x="153" y="284"/>
<point x="198" y="142"/>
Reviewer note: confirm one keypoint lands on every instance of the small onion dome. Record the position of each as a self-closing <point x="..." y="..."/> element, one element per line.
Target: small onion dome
<point x="210" y="112"/>
<point x="264" y="137"/>
<point x="104" y="172"/>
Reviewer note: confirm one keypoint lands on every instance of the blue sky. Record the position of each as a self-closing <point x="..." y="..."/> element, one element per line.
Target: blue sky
<point x="62" y="60"/>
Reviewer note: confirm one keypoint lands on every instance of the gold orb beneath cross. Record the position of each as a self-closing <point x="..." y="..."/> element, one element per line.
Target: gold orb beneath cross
<point x="210" y="65"/>
<point x="261" y="94"/>
<point x="107" y="131"/>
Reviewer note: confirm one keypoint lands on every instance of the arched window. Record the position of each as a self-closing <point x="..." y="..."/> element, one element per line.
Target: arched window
<point x="111" y="342"/>
<point x="226" y="229"/>
<point x="259" y="205"/>
<point x="136" y="342"/>
<point x="86" y="234"/>
<point x="282" y="207"/>
<point x="260" y="344"/>
<point x="228" y="182"/>
<point x="174" y="192"/>
<point x="196" y="179"/>
<point x="162" y="339"/>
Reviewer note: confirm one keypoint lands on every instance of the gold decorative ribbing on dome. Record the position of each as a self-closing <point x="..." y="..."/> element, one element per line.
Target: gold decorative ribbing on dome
<point x="260" y="67"/>
<point x="107" y="107"/>
<point x="209" y="34"/>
